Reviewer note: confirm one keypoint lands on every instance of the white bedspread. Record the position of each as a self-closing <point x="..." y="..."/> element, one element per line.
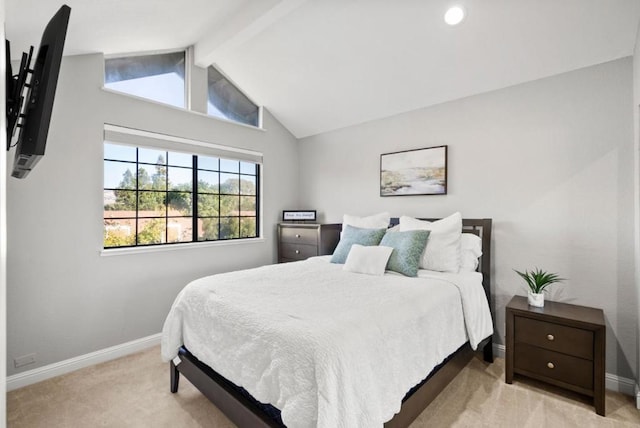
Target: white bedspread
<point x="329" y="348"/>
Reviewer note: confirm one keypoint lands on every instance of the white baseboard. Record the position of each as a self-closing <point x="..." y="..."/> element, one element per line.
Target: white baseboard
<point x="637" y="394"/>
<point x="56" y="369"/>
<point x="620" y="384"/>
<point x="612" y="382"/>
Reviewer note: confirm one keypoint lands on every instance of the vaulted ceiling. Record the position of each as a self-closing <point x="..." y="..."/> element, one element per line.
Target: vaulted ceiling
<point x="320" y="65"/>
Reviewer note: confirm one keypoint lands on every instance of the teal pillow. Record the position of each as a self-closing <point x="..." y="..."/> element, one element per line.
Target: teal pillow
<point x="407" y="250"/>
<point x="355" y="235"/>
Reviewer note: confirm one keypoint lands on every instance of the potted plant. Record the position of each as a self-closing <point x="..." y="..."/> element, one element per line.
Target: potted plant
<point x="538" y="280"/>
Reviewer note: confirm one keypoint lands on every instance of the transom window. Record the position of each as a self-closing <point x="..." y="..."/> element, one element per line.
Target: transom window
<point x="227" y="102"/>
<point x="158" y="77"/>
<point x="155" y="196"/>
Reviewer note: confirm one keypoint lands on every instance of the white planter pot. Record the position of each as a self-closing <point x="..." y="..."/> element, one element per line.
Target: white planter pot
<point x="536" y="299"/>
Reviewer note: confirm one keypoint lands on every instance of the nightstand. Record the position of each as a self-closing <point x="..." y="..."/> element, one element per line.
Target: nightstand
<point x="560" y="344"/>
<point x="299" y="241"/>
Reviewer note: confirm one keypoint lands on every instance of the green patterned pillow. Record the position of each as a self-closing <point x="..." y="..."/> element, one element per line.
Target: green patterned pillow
<point x="407" y="250"/>
<point x="355" y="235"/>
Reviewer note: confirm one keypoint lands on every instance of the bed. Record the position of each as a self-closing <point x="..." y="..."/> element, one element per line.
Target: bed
<point x="349" y="369"/>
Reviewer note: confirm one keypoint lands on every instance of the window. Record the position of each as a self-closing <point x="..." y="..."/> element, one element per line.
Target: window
<point x="159" y="77"/>
<point x="226" y="101"/>
<point x="155" y="196"/>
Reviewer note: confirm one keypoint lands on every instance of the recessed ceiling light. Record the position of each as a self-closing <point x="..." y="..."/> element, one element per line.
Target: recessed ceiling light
<point x="454" y="15"/>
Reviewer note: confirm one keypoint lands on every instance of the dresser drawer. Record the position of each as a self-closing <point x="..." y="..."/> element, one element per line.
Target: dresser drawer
<point x="297" y="251"/>
<point x="555" y="337"/>
<point x="299" y="235"/>
<point x="554" y="365"/>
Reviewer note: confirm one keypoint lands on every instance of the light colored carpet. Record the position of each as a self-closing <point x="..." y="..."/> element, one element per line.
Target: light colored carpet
<point x="134" y="392"/>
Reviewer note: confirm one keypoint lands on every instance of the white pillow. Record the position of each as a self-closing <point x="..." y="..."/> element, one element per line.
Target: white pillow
<point x="376" y="221"/>
<point x="443" y="251"/>
<point x="471" y="250"/>
<point x="393" y="229"/>
<point x="371" y="260"/>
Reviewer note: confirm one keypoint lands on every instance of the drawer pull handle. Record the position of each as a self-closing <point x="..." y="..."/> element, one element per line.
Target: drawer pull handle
<point x="297" y="251"/>
<point x="551" y="365"/>
<point x="550" y="337"/>
<point x="297" y="235"/>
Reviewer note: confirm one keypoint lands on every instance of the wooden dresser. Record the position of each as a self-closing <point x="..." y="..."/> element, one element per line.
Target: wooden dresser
<point x="298" y="241"/>
<point x="561" y="344"/>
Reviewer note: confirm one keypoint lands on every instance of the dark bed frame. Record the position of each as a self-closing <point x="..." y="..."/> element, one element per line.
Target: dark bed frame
<point x="244" y="411"/>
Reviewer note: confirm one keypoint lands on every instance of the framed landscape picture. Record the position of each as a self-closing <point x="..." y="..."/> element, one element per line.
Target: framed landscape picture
<point x="414" y="172"/>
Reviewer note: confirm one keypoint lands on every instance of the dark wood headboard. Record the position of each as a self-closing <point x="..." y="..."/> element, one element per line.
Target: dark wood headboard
<point x="482" y="228"/>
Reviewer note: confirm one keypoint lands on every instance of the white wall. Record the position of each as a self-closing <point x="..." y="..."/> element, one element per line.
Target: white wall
<point x="64" y="298"/>
<point x="551" y="161"/>
<point x="636" y="158"/>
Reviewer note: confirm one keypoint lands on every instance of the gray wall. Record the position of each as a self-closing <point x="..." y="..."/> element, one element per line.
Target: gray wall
<point x="636" y="177"/>
<point x="64" y="298"/>
<point x="551" y="161"/>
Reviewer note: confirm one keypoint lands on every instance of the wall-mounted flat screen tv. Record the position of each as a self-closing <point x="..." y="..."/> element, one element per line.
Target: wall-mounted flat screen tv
<point x="35" y="108"/>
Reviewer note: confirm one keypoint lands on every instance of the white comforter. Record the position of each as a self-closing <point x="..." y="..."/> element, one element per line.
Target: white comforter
<point x="329" y="348"/>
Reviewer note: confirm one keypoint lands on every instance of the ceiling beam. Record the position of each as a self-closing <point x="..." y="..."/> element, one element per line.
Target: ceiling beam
<point x="254" y="18"/>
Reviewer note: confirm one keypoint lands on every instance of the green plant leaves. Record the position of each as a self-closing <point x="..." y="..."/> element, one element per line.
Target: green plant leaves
<point x="538" y="280"/>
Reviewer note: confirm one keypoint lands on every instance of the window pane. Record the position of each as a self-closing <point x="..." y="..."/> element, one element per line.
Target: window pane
<point x="152" y="231"/>
<point x="152" y="177"/>
<point x="229" y="165"/>
<point x="229" y="228"/>
<point x="230" y="184"/>
<point x="152" y="156"/>
<point x="205" y="162"/>
<point x="248" y="168"/>
<point x="180" y="178"/>
<point x="227" y="102"/>
<point x="208" y="205"/>
<point x="157" y="77"/>
<point x="247" y="185"/>
<point x="248" y="227"/>
<point x="119" y="203"/>
<point x="119" y="175"/>
<point x="118" y="152"/>
<point x="152" y="204"/>
<point x="180" y="229"/>
<point x="247" y="206"/>
<point x="208" y="181"/>
<point x="180" y="203"/>
<point x="207" y="229"/>
<point x="180" y="159"/>
<point x="229" y="205"/>
<point x="119" y="233"/>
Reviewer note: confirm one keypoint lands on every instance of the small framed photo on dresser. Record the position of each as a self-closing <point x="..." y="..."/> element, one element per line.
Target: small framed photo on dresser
<point x="299" y="215"/>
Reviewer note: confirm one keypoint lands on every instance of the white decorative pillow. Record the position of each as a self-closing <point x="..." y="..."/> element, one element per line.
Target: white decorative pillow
<point x="371" y="260"/>
<point x="376" y="221"/>
<point x="471" y="250"/>
<point x="394" y="229"/>
<point x="443" y="252"/>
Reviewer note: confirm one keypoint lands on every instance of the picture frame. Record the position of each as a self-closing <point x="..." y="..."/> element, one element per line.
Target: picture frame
<point x="299" y="215"/>
<point x="414" y="172"/>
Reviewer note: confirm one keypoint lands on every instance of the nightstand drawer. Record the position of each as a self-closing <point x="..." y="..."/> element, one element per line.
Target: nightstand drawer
<point x="554" y="365"/>
<point x="555" y="337"/>
<point x="299" y="235"/>
<point x="298" y="251"/>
